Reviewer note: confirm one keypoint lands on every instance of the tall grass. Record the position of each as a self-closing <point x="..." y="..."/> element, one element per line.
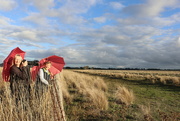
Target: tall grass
<point x="123" y="95"/>
<point x="92" y="89"/>
<point x="32" y="110"/>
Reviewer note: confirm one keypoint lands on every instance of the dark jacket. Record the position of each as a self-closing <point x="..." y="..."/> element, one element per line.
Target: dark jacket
<point x="19" y="79"/>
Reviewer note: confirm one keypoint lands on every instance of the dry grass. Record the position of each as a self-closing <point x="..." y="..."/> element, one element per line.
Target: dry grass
<point x="97" y="99"/>
<point x="93" y="90"/>
<point x="146" y="111"/>
<point x="29" y="110"/>
<point x="25" y="110"/>
<point x="164" y="77"/>
<point x="64" y="87"/>
<point x="91" y="87"/>
<point x="123" y="95"/>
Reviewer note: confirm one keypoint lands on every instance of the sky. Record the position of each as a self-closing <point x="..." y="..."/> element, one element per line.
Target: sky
<point x="95" y="33"/>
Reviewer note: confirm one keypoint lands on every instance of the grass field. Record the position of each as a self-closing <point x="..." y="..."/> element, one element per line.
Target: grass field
<point x="106" y="95"/>
<point x="152" y="101"/>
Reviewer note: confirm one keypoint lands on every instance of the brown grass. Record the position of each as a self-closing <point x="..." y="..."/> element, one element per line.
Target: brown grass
<point x="146" y="111"/>
<point x="91" y="87"/>
<point x="123" y="95"/>
<point x="24" y="111"/>
<point x="164" y="77"/>
<point x="97" y="98"/>
<point x="64" y="87"/>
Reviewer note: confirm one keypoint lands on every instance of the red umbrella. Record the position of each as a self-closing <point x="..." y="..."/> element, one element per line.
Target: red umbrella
<point x="56" y="62"/>
<point x="34" y="72"/>
<point x="8" y="62"/>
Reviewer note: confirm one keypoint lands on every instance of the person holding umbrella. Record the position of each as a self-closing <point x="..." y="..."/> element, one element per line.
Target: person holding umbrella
<point x="45" y="76"/>
<point x="43" y="79"/>
<point x="19" y="79"/>
<point x="44" y="73"/>
<point x="16" y="72"/>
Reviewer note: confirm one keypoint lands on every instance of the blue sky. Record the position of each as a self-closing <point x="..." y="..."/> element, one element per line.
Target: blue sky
<point x="98" y="33"/>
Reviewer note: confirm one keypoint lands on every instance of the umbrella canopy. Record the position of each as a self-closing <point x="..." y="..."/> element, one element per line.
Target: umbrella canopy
<point x="56" y="62"/>
<point x="8" y="62"/>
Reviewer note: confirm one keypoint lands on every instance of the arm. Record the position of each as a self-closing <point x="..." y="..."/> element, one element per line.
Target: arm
<point x="41" y="75"/>
<point x="28" y="73"/>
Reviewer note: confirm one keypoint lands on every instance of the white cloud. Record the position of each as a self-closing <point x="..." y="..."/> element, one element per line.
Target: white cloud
<point x="66" y="12"/>
<point x="117" y="5"/>
<point x="70" y="12"/>
<point x="7" y="5"/>
<point x="100" y="19"/>
<point x="4" y="21"/>
<point x="175" y="17"/>
<point x="25" y="35"/>
<point x="36" y="18"/>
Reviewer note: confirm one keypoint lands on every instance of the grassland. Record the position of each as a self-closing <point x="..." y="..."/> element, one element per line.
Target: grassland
<point x="106" y="95"/>
<point x="153" y="100"/>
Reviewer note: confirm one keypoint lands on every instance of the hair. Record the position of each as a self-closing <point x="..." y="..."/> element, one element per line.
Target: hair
<point x="17" y="55"/>
<point x="47" y="62"/>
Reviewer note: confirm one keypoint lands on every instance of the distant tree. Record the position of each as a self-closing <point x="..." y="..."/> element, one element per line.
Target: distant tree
<point x="33" y="63"/>
<point x="86" y="67"/>
<point x="67" y="67"/>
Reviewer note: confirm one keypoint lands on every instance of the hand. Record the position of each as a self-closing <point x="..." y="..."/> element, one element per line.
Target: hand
<point x="25" y="63"/>
<point x="51" y="76"/>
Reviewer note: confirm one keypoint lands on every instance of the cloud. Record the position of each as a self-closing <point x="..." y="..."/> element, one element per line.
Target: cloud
<point x="151" y="8"/>
<point x="25" y="35"/>
<point x="105" y="50"/>
<point x="128" y="46"/>
<point x="66" y="12"/>
<point x="46" y="4"/>
<point x="175" y="17"/>
<point x="100" y="19"/>
<point x="147" y="56"/>
<point x="116" y="5"/>
<point x="7" y="5"/>
<point x="155" y="21"/>
<point x="139" y="35"/>
<point x="178" y="41"/>
<point x="13" y="36"/>
<point x="4" y="21"/>
<point x="71" y="11"/>
<point x="37" y="19"/>
<point x="150" y="13"/>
